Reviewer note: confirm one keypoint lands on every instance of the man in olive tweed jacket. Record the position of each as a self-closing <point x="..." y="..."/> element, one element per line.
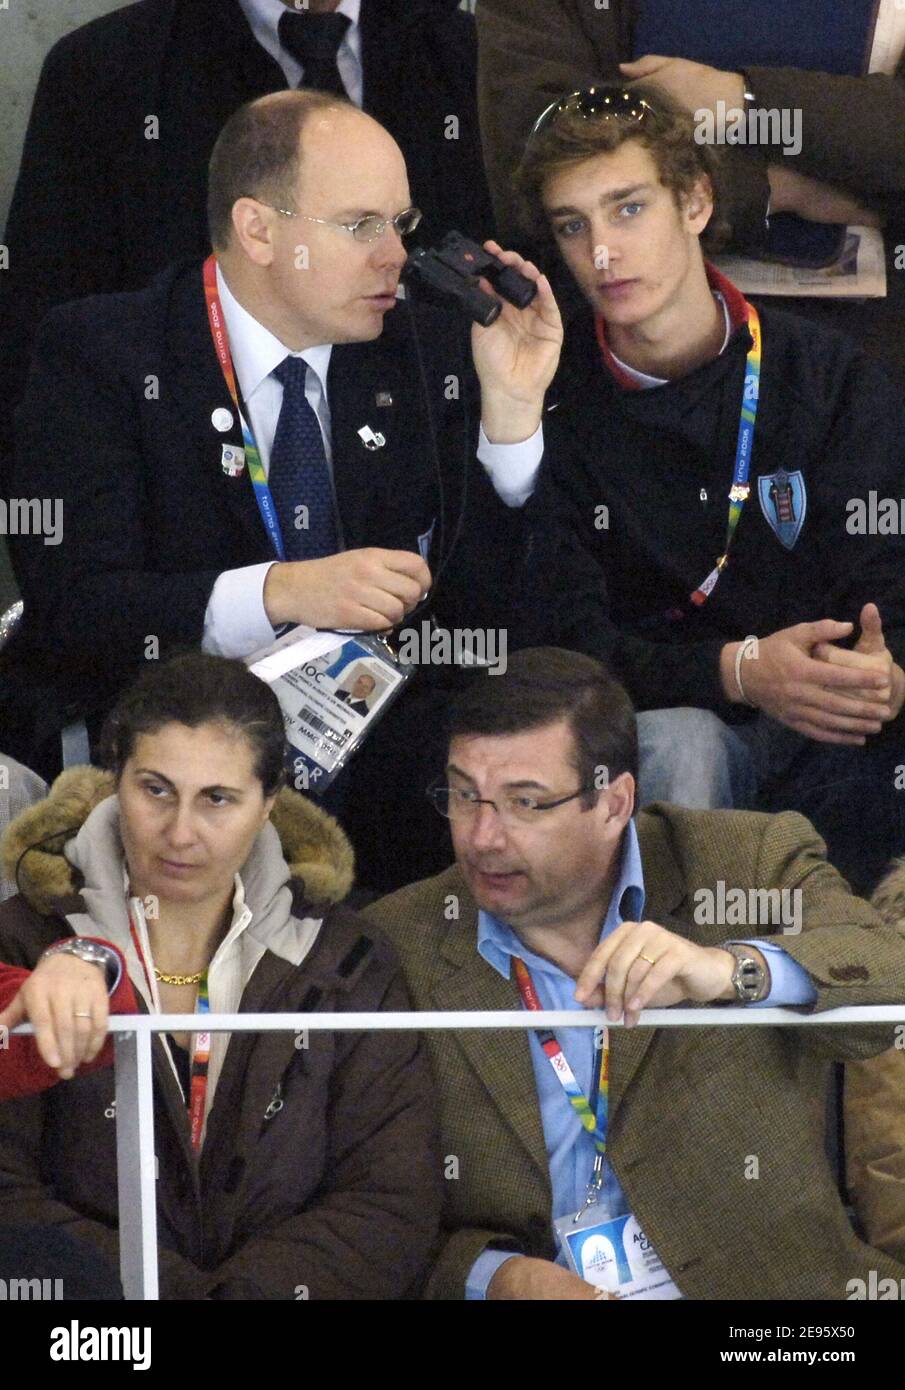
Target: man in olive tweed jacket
<point x="689" y="1107"/>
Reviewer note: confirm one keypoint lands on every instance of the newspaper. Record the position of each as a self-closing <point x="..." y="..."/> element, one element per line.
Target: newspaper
<point x="859" y="272"/>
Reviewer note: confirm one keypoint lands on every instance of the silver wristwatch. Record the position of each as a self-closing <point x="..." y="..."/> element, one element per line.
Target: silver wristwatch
<point x="92" y="952"/>
<point x="750" y="979"/>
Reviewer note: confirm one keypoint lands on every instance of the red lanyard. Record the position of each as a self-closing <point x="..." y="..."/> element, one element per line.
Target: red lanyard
<point x="596" y="1125"/>
<point x="200" y="1053"/>
<point x="217" y="324"/>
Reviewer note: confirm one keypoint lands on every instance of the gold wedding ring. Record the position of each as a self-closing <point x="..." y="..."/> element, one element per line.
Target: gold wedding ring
<point x="642" y="956"/>
<point x="80" y="1013"/>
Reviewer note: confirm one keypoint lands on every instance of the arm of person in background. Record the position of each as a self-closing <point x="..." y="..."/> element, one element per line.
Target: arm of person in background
<point x="515" y="360"/>
<point x="48" y="997"/>
<point x="852" y="155"/>
<point x="371" y="589"/>
<point x="530" y="52"/>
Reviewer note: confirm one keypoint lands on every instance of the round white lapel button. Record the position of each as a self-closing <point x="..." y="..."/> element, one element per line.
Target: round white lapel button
<point x="222" y="420"/>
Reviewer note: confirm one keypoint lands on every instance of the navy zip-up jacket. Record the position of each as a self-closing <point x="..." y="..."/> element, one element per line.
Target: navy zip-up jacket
<point x="631" y="506"/>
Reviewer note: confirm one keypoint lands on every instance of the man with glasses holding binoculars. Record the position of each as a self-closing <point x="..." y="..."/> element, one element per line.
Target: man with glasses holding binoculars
<point x="245" y="445"/>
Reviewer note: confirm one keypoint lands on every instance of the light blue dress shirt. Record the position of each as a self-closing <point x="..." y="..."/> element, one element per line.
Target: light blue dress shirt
<point x="570" y="1148"/>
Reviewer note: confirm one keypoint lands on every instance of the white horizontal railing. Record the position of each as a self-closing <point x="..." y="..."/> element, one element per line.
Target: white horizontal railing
<point x="136" y="1162"/>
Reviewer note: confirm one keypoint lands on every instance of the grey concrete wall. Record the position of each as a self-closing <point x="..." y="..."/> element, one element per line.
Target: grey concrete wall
<point x="28" y="29"/>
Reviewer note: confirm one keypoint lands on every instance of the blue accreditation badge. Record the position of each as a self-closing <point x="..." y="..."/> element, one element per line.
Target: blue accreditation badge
<point x="784" y="502"/>
<point x="613" y="1253"/>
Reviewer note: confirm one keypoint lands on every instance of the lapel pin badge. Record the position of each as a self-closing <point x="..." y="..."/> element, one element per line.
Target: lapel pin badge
<point x="232" y="460"/>
<point x="384" y="398"/>
<point x="370" y="439"/>
<point x="222" y="419"/>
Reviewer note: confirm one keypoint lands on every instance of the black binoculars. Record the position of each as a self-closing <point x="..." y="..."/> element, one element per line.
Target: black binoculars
<point x="451" y="273"/>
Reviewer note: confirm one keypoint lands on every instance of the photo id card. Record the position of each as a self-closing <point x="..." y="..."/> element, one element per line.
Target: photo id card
<point x="613" y="1253"/>
<point x="332" y="689"/>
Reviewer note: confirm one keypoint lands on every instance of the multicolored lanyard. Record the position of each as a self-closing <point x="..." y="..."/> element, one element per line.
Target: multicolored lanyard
<point x="200" y="1059"/>
<point x="217" y="323"/>
<point x="596" y="1125"/>
<point x="738" y="493"/>
<point x="202" y="1049"/>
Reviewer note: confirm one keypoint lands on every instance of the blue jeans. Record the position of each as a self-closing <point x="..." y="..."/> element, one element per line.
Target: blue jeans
<point x="691" y="757"/>
<point x="850" y="795"/>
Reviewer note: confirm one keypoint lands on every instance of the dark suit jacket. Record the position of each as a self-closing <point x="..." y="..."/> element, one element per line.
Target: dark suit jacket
<point x="827" y="415"/>
<point x="688" y="1106"/>
<point x="117" y="423"/>
<point x="100" y="207"/>
<point x="359" y="706"/>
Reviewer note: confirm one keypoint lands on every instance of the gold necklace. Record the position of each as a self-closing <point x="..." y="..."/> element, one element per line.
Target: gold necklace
<point x="166" y="979"/>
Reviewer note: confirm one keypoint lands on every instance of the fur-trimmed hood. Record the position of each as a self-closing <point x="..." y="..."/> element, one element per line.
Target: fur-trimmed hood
<point x="315" y="847"/>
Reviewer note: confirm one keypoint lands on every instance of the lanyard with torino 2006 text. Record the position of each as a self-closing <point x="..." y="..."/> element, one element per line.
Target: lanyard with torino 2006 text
<point x="200" y="1058"/>
<point x="738" y="493"/>
<point x="263" y="495"/>
<point x="596" y="1125"/>
<point x="200" y="1054"/>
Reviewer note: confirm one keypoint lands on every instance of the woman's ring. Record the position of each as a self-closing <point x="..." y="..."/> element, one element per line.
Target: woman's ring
<point x="642" y="956"/>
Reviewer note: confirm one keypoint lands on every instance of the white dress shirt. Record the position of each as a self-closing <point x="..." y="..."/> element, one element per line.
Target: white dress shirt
<point x="264" y="18"/>
<point x="235" y="621"/>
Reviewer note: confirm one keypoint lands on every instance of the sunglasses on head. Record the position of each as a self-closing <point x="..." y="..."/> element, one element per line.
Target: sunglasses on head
<point x="609" y="101"/>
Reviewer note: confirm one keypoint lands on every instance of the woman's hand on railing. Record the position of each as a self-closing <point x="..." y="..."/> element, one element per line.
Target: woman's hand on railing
<point x="65" y="1000"/>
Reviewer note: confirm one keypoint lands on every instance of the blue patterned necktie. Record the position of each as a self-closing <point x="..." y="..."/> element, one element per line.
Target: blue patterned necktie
<point x="299" y="475"/>
<point x="314" y="41"/>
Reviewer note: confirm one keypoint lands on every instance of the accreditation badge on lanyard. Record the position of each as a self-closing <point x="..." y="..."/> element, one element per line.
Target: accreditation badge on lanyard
<point x="332" y="689"/>
<point x="609" y="1251"/>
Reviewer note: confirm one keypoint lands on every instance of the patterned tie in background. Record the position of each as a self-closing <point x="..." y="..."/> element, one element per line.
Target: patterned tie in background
<point x="299" y="473"/>
<point x="314" y="40"/>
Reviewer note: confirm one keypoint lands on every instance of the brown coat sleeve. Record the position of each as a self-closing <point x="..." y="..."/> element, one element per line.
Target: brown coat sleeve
<point x="874" y="1111"/>
<point x="457" y="1254"/>
<point x="852" y="128"/>
<point x="852" y="956"/>
<point x="530" y="52"/>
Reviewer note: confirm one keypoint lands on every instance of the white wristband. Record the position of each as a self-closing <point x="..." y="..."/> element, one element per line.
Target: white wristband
<point x="738" y="676"/>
